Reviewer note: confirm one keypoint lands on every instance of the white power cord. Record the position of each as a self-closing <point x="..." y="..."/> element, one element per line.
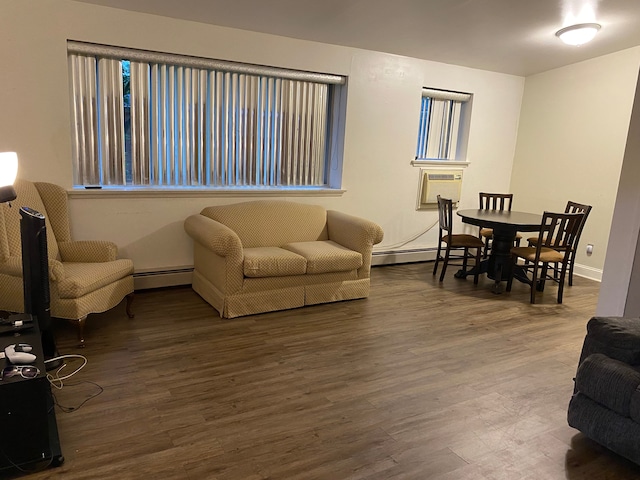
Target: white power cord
<point x="404" y="242"/>
<point x="56" y="380"/>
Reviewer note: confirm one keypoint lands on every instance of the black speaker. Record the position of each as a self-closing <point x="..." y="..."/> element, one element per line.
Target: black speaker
<point x="24" y="422"/>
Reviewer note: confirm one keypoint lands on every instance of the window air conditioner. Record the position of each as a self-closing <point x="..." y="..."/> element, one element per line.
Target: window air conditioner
<point x="446" y="183"/>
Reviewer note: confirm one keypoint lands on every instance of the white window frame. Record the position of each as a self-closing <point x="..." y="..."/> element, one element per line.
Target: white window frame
<point x="169" y="148"/>
<point x="443" y="128"/>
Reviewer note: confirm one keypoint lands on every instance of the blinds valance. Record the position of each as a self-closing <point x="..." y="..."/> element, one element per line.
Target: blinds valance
<point x="106" y="51"/>
<point x="445" y="95"/>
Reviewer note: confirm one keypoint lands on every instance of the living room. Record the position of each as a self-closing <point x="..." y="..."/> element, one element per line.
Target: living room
<point x="547" y="137"/>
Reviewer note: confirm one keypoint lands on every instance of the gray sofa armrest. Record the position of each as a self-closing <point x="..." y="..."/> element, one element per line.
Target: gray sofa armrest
<point x="609" y="382"/>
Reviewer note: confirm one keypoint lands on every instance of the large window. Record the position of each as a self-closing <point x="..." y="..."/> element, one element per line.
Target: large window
<point x="159" y="120"/>
<point x="443" y="125"/>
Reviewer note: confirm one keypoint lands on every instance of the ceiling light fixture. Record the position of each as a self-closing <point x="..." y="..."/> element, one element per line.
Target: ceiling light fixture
<point x="578" y="34"/>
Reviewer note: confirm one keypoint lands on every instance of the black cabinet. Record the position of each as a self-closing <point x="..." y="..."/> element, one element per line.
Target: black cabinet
<point x="28" y="428"/>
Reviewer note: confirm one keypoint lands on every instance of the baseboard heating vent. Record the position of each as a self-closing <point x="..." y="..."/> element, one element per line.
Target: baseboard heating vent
<point x="158" y="278"/>
<point x="392" y="257"/>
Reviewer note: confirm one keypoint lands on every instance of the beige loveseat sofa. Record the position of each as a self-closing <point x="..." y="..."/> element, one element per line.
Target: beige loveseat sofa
<point x="268" y="255"/>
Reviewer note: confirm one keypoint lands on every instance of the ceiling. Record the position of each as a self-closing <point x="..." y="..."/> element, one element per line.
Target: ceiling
<point x="508" y="36"/>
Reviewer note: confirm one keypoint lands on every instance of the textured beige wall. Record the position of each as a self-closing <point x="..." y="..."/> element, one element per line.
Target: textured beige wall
<point x="571" y="142"/>
<point x="381" y="121"/>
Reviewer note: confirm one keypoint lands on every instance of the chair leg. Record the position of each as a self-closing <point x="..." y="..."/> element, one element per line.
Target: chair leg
<point x="572" y="259"/>
<point x="438" y="253"/>
<point x="561" y="281"/>
<point x="477" y="266"/>
<point x="130" y="298"/>
<point x="80" y="322"/>
<point x="446" y="262"/>
<point x="534" y="283"/>
<point x="486" y="248"/>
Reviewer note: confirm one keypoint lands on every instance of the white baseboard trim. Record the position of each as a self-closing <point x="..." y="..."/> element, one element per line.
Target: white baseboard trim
<point x="143" y="280"/>
<point x="158" y="278"/>
<point x="587" y="272"/>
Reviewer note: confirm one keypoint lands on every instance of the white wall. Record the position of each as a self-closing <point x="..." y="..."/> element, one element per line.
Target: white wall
<point x="621" y="280"/>
<point x="381" y="123"/>
<point x="571" y="142"/>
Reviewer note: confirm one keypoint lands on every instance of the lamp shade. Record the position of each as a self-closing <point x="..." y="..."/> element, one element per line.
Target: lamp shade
<point x="8" y="172"/>
<point x="578" y="34"/>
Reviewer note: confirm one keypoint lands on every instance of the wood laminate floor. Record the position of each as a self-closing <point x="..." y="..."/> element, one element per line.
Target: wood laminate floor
<point x="420" y="381"/>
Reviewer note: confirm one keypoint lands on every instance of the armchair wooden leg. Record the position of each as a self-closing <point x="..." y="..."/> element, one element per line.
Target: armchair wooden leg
<point x="80" y="324"/>
<point x="130" y="313"/>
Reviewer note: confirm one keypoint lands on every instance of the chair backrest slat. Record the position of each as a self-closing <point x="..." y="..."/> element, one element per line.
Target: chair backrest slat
<point x="573" y="207"/>
<point x="558" y="231"/>
<point x="445" y="214"/>
<point x="496" y="201"/>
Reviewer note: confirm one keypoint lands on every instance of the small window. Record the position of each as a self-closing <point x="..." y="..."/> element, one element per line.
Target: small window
<point x="148" y="119"/>
<point x="444" y="119"/>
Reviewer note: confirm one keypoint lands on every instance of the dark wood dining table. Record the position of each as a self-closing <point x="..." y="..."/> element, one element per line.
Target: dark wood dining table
<point x="505" y="226"/>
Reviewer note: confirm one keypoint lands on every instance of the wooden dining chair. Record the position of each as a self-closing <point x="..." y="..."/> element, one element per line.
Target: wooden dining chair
<point x="572" y="207"/>
<point x="456" y="242"/>
<point x="499" y="202"/>
<point x="555" y="244"/>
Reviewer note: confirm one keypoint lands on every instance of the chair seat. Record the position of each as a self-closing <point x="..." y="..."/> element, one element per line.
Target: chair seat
<point x="83" y="278"/>
<point x="463" y="240"/>
<point x="546" y="254"/>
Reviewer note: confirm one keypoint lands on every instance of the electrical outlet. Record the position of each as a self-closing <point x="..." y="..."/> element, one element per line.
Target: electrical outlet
<point x="589" y="249"/>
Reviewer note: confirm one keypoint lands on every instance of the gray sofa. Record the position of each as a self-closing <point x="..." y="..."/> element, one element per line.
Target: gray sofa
<point x="605" y="405"/>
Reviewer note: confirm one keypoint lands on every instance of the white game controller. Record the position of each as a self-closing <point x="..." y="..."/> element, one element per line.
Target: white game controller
<point x="19" y="353"/>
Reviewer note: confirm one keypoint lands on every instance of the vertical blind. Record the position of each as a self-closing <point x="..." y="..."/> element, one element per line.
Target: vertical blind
<point x="192" y="125"/>
<point x="439" y="126"/>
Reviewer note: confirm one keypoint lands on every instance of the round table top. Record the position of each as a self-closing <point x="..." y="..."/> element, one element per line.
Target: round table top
<point x="523" y="221"/>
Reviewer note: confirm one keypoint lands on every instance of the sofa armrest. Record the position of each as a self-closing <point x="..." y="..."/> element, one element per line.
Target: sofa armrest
<point x="607" y="381"/>
<point x="213" y="235"/>
<point x="352" y="232"/>
<point x="217" y="254"/>
<point x="88" y="251"/>
<point x="355" y="233"/>
<point x="12" y="266"/>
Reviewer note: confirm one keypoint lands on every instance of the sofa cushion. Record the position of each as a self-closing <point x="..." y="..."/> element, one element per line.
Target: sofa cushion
<point x="83" y="278"/>
<point x="272" y="262"/>
<point x="326" y="256"/>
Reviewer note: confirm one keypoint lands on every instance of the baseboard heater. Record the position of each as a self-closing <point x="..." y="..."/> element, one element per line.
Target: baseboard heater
<point x="157" y="278"/>
<point x="392" y="257"/>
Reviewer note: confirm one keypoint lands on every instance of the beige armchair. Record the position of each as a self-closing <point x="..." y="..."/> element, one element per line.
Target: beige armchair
<point x="85" y="276"/>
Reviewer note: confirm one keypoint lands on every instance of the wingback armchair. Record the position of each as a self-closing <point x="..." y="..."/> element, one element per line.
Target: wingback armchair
<point x="84" y="276"/>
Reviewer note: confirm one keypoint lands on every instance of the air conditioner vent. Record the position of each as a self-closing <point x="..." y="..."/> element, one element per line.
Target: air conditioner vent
<point x="447" y="184"/>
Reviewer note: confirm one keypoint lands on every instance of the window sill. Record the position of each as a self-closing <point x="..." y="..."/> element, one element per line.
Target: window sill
<point x="145" y="192"/>
<point x="440" y="163"/>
